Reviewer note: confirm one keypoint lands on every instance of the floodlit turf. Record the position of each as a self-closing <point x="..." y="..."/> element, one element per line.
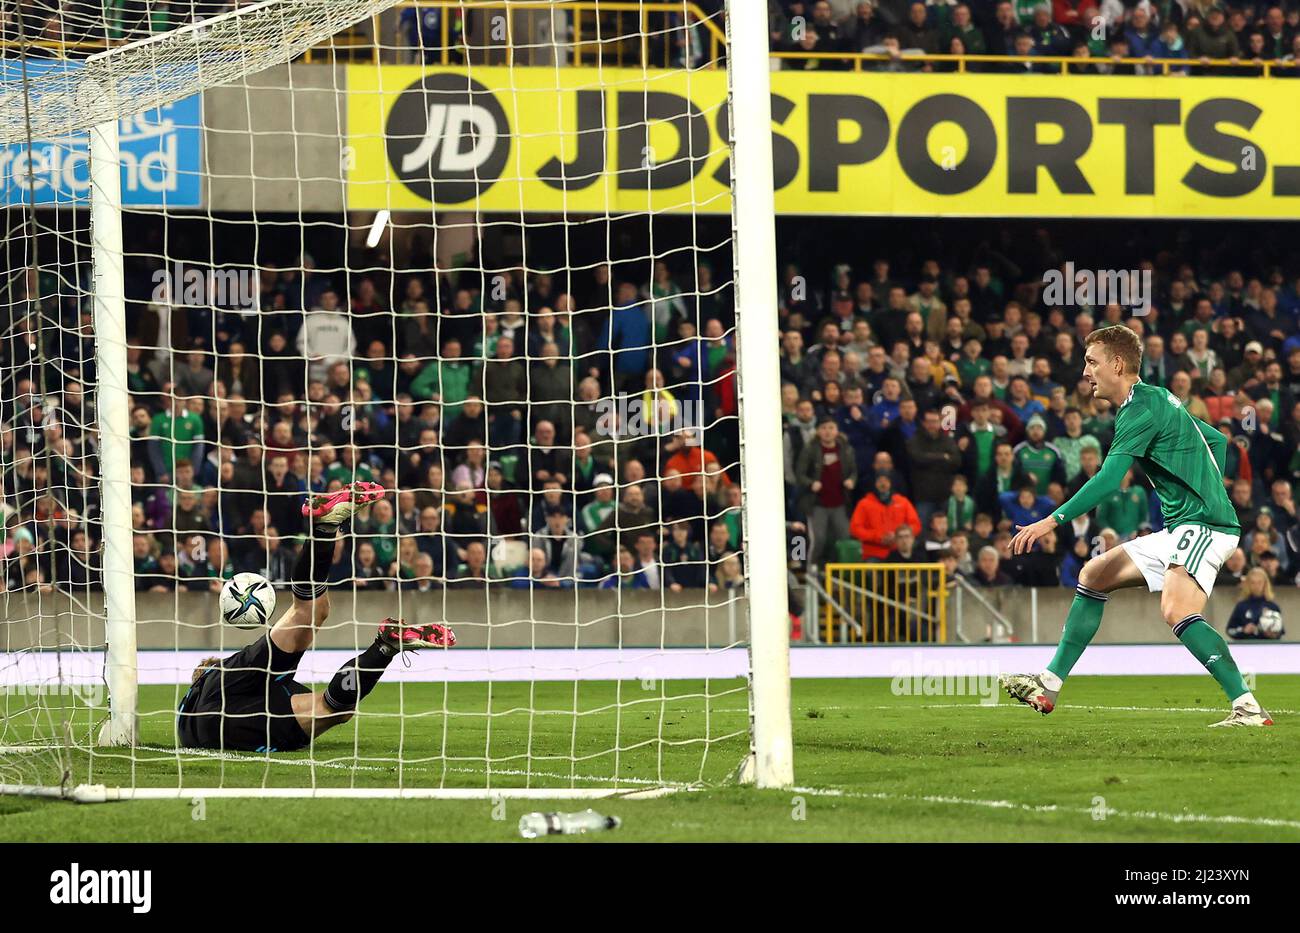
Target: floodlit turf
<point x="1125" y="758"/>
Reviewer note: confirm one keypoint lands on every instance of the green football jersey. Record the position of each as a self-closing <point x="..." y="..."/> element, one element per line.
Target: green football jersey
<point x="1181" y="455"/>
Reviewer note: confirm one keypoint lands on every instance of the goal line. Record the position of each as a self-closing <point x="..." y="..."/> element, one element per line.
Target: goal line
<point x="100" y="793"/>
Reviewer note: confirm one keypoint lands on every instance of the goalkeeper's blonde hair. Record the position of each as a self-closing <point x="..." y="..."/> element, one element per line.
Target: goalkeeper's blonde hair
<point x="204" y="665"/>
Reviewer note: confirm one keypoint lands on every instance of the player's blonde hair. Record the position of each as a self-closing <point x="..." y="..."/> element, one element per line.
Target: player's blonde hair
<point x="203" y="666"/>
<point x="1244" y="586"/>
<point x="1118" y="341"/>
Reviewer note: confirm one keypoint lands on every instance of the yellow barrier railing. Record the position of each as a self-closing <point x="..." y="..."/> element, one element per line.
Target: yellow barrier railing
<point x="859" y="61"/>
<point x="889" y="602"/>
<point x="56" y="50"/>
<point x="631" y="29"/>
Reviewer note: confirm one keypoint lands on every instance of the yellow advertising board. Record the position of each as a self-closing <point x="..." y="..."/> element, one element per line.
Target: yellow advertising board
<point x="588" y="141"/>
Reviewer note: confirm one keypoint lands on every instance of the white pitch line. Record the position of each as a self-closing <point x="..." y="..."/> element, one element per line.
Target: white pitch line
<point x="1002" y="704"/>
<point x="1053" y="808"/>
<point x="1122" y="709"/>
<point x="667" y="786"/>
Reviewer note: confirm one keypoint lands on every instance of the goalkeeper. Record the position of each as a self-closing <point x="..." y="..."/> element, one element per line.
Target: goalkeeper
<point x="250" y="701"/>
<point x="1184" y="458"/>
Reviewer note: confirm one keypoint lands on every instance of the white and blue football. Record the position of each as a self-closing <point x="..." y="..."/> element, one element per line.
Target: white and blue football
<point x="247" y="601"/>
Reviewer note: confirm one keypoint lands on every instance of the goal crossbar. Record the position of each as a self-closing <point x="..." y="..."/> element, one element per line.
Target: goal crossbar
<point x="148" y="73"/>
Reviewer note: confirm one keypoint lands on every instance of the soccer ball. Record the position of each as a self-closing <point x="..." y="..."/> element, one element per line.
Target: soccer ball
<point x="1270" y="621"/>
<point x="247" y="601"/>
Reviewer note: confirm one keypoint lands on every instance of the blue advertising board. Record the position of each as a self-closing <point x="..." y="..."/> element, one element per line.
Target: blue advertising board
<point x="161" y="154"/>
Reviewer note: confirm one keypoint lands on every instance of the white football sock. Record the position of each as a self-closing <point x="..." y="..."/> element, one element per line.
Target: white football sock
<point x="1247" y="700"/>
<point x="1051" y="681"/>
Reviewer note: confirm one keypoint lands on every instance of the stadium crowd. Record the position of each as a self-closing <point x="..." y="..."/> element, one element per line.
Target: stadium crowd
<point x="496" y="428"/>
<point x="1097" y="32"/>
<point x="812" y="33"/>
<point x="95" y="21"/>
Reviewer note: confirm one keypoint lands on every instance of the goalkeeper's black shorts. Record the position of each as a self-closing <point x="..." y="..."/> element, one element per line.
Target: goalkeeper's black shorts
<point x="245" y="703"/>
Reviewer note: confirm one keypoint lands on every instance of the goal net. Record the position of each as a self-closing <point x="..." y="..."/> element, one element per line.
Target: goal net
<point x="492" y="257"/>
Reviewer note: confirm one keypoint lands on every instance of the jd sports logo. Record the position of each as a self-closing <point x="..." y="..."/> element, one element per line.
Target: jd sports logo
<point x="448" y="138"/>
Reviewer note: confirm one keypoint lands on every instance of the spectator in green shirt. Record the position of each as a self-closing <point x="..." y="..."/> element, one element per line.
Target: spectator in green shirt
<point x="972" y="363"/>
<point x="350" y="467"/>
<point x="1025" y="10"/>
<point x="1038" y="458"/>
<point x="179" y="433"/>
<point x="1125" y="509"/>
<point x="381" y="530"/>
<point x="1072" y="442"/>
<point x="960" y="506"/>
<point x="449" y="379"/>
<point x="961" y="27"/>
<point x="598" y="509"/>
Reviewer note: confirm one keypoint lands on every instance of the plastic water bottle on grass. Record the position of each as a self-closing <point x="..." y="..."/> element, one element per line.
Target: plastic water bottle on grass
<point x="532" y="825"/>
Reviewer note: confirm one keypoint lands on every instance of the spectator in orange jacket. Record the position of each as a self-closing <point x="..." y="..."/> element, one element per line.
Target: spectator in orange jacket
<point x="689" y="458"/>
<point x="879" y="514"/>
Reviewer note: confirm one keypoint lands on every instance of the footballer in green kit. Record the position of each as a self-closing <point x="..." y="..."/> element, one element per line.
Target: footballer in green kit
<point x="1184" y="458"/>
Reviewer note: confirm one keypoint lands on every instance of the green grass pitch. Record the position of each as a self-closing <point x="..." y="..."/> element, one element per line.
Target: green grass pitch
<point x="1124" y="758"/>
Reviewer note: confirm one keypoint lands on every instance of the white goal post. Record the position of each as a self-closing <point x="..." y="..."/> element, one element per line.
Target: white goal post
<point x="114" y="420"/>
<point x="753" y="214"/>
<point x="111" y="749"/>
